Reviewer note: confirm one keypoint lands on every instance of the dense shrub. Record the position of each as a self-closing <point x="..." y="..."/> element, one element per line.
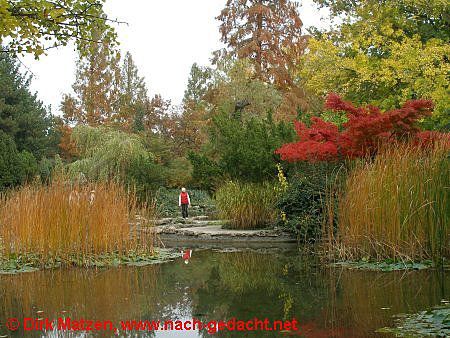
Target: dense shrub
<point x="397" y="206"/>
<point x="178" y="172"/>
<point x="247" y="205"/>
<point x="306" y="202"/>
<point x="240" y="149"/>
<point x="144" y="176"/>
<point x="246" y="147"/>
<point x="206" y="173"/>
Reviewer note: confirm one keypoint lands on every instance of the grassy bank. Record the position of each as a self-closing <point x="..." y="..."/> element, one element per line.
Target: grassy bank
<point x="397" y="206"/>
<point x="65" y="224"/>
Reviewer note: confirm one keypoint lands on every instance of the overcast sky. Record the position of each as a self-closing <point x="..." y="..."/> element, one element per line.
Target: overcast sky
<point x="165" y="38"/>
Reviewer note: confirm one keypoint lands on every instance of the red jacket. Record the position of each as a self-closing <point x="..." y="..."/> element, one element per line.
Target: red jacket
<point x="184" y="198"/>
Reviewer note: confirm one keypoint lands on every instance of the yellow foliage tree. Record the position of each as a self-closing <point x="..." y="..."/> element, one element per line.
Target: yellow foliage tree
<point x="383" y="53"/>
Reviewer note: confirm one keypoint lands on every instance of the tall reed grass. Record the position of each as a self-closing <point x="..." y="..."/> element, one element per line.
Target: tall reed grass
<point x="247" y="205"/>
<point x="397" y="206"/>
<point x="64" y="221"/>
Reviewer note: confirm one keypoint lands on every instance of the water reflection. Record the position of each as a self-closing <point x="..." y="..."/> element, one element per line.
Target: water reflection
<point x="278" y="285"/>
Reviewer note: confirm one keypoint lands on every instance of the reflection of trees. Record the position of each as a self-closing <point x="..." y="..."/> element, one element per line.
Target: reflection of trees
<point x="327" y="302"/>
<point x="241" y="271"/>
<point x="248" y="284"/>
<point x="112" y="294"/>
<point x="219" y="286"/>
<point x="365" y="301"/>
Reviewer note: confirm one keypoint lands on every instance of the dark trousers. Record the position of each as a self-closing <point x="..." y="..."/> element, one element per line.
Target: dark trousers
<point x="184" y="210"/>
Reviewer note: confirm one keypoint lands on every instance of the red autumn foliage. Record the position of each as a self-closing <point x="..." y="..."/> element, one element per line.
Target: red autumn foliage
<point x="430" y="137"/>
<point x="366" y="129"/>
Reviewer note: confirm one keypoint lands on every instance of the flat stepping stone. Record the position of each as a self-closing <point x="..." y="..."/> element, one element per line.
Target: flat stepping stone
<point x="216" y="232"/>
<point x="200" y="228"/>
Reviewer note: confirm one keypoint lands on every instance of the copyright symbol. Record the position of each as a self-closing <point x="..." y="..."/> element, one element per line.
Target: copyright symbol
<point x="12" y="324"/>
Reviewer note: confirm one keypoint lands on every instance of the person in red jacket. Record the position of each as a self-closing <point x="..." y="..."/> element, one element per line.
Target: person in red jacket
<point x="184" y="202"/>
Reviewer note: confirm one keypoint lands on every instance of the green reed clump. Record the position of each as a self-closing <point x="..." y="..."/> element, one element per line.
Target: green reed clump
<point x="70" y="223"/>
<point x="397" y="206"/>
<point x="247" y="205"/>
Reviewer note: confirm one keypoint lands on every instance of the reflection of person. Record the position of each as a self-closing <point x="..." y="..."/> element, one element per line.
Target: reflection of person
<point x="186" y="255"/>
<point x="184" y="202"/>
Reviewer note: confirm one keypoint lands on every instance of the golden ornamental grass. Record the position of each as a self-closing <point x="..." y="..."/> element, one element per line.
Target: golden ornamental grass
<point x="66" y="220"/>
<point x="397" y="206"/>
<point x="247" y="205"/>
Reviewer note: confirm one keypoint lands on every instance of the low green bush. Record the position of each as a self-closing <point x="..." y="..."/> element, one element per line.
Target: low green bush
<point x="247" y="205"/>
<point x="310" y="195"/>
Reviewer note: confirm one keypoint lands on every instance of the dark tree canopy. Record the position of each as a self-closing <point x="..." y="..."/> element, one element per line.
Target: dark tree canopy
<point x="22" y="116"/>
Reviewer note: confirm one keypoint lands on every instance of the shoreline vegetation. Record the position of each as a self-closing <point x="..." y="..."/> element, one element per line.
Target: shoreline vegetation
<point x="354" y="160"/>
<point x="73" y="224"/>
<point x="31" y="262"/>
<point x="395" y="207"/>
<point x="402" y="224"/>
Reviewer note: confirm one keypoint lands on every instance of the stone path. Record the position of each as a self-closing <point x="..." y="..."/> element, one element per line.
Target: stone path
<point x="202" y="229"/>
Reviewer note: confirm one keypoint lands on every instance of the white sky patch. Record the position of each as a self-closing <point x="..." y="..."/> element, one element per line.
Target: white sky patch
<point x="164" y="37"/>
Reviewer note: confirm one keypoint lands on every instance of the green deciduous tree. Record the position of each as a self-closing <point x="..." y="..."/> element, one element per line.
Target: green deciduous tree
<point x="107" y="154"/>
<point x="384" y="53"/>
<point x="428" y="19"/>
<point x="35" y="26"/>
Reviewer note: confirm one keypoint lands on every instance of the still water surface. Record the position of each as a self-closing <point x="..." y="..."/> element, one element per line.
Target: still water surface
<point x="274" y="284"/>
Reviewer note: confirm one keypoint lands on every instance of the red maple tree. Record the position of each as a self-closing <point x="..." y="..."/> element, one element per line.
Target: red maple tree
<point x="365" y="130"/>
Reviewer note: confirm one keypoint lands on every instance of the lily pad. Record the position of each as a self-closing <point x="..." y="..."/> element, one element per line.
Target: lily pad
<point x="384" y="266"/>
<point x="19" y="270"/>
<point x="431" y="323"/>
<point x="27" y="263"/>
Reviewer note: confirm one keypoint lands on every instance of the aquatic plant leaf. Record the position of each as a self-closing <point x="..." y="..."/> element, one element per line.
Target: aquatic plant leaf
<point x="431" y="323"/>
<point x="383" y="266"/>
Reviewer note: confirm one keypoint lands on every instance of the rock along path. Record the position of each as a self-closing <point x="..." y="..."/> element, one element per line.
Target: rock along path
<point x="201" y="229"/>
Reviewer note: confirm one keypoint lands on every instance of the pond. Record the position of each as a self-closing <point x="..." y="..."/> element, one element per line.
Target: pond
<point x="277" y="284"/>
